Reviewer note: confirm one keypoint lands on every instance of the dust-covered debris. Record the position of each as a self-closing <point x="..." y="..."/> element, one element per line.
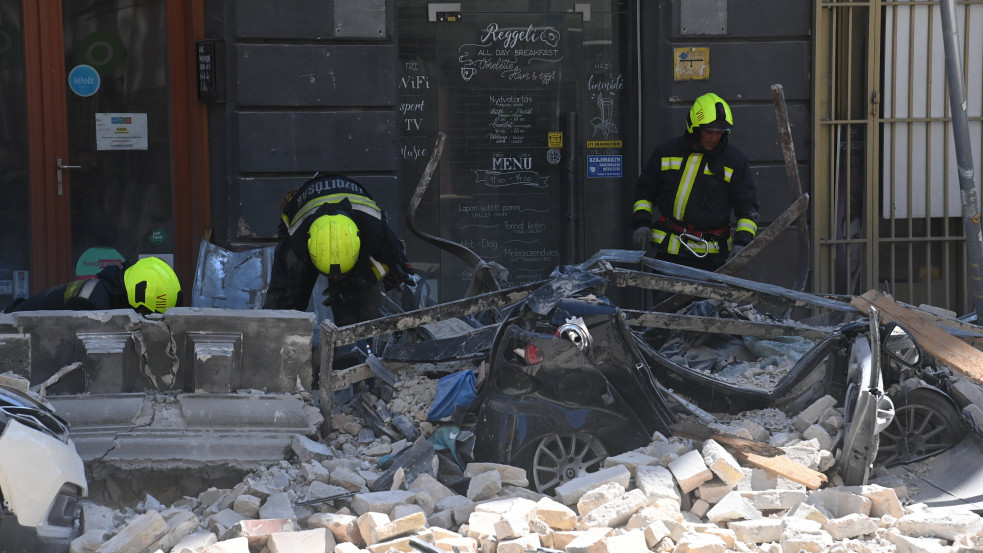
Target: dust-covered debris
<point x="322" y="496"/>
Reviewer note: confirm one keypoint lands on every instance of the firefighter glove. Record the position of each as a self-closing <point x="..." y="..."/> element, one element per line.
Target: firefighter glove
<point x="641" y="239"/>
<point x="735" y="251"/>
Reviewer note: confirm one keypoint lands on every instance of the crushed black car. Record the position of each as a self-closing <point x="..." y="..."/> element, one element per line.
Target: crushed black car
<point x="572" y="377"/>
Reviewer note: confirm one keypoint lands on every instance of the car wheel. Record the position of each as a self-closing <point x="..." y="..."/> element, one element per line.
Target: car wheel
<point x="560" y="458"/>
<point x="925" y="423"/>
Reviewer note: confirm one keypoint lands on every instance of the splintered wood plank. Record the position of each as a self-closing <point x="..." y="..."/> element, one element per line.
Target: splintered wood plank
<point x="783" y="466"/>
<point x="944" y="346"/>
<point x="344" y="378"/>
<point x="756" y="454"/>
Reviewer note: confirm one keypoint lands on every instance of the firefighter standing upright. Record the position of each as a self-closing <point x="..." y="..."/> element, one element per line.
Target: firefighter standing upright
<point x="690" y="187"/>
<point x="332" y="226"/>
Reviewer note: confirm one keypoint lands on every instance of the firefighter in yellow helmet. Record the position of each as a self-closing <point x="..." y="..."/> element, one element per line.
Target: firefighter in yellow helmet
<point x="332" y="226"/>
<point x="695" y="202"/>
<point x="148" y="286"/>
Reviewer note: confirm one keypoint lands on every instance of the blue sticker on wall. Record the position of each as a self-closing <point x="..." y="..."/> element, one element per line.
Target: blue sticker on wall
<point x="84" y="80"/>
<point x="604" y="166"/>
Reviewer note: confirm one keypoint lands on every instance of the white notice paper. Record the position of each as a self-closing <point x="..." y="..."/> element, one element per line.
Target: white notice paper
<point x="121" y="131"/>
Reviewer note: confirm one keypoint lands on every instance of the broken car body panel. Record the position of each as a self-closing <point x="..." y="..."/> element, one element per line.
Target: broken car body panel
<point x="42" y="477"/>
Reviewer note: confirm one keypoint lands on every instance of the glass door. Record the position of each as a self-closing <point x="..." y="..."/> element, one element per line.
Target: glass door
<point x="103" y="141"/>
<point x="14" y="214"/>
<point x="119" y="142"/>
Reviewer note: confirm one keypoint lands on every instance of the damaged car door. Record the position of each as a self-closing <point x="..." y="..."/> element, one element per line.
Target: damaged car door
<point x="868" y="409"/>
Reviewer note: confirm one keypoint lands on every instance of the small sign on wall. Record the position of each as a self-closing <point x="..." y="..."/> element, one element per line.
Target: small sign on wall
<point x="691" y="64"/>
<point x="211" y="84"/>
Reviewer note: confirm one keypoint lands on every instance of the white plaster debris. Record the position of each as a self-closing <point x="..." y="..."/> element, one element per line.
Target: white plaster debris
<point x="636" y="503"/>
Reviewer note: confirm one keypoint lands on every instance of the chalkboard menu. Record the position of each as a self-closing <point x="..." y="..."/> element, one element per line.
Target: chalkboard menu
<point x="507" y="190"/>
<point x="533" y="109"/>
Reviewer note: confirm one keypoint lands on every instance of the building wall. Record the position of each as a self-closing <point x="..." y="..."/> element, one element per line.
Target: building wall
<point x="752" y="45"/>
<point x="310" y="87"/>
<point x="313" y="86"/>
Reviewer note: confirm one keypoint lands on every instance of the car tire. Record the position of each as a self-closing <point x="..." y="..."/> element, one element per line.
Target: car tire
<point x="925" y="423"/>
<point x="559" y="458"/>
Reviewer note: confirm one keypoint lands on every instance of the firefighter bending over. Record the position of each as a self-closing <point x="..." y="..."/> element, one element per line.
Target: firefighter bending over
<point x="332" y="226"/>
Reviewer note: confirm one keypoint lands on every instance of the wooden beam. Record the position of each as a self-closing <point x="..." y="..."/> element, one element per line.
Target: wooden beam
<point x="765" y="237"/>
<point x="754" y="453"/>
<point x="344" y="378"/>
<point x="948" y="349"/>
<point x="740" y="327"/>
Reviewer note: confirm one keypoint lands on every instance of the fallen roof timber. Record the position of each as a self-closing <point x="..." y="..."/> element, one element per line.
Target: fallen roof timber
<point x="626" y="278"/>
<point x="765" y="237"/>
<point x="677" y="321"/>
<point x="713" y="285"/>
<point x="949" y="349"/>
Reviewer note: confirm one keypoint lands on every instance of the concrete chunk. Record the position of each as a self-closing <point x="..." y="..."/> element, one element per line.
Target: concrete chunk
<point x="722" y="463"/>
<point x="850" y="526"/>
<point x="380" y="502"/>
<point x="700" y="543"/>
<point x="195" y="542"/>
<point x="657" y="482"/>
<point x="142" y="532"/>
<point x="599" y="496"/>
<point x="235" y="545"/>
<point x="733" y="507"/>
<point x="690" y="470"/>
<point x="316" y="540"/>
<point x="883" y="501"/>
<point x="257" y="532"/>
<point x="484" y="486"/>
<point x="907" y="544"/>
<point x="277" y="505"/>
<point x="654" y="533"/>
<point x="761" y="530"/>
<point x="617" y="512"/>
<point x="940" y="524"/>
<point x="630" y="542"/>
<point x="369" y="523"/>
<point x="519" y="544"/>
<point x="570" y="491"/>
<point x="818" y="433"/>
<point x="431" y="486"/>
<point x="775" y="500"/>
<point x="631" y="460"/>
<point x="800" y="535"/>
<point x="510" y="475"/>
<point x="589" y="541"/>
<point x="811" y="414"/>
<point x="343" y="527"/>
<point x="557" y="515"/>
<point x="839" y="502"/>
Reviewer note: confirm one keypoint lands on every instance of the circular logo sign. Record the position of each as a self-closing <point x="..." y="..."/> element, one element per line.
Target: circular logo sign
<point x="84" y="80"/>
<point x="553" y="156"/>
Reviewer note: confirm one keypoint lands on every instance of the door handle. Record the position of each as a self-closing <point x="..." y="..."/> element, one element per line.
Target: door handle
<point x="59" y="166"/>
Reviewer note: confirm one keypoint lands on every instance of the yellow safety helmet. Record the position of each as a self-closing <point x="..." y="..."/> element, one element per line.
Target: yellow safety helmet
<point x="333" y="243"/>
<point x="151" y="284"/>
<point x="710" y="112"/>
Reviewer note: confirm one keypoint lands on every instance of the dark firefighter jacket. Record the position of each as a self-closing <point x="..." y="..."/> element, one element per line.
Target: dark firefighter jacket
<point x="381" y="256"/>
<point x="696" y="191"/>
<point x="105" y="291"/>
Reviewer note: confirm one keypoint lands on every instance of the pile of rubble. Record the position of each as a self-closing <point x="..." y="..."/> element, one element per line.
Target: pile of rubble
<point x="674" y="495"/>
